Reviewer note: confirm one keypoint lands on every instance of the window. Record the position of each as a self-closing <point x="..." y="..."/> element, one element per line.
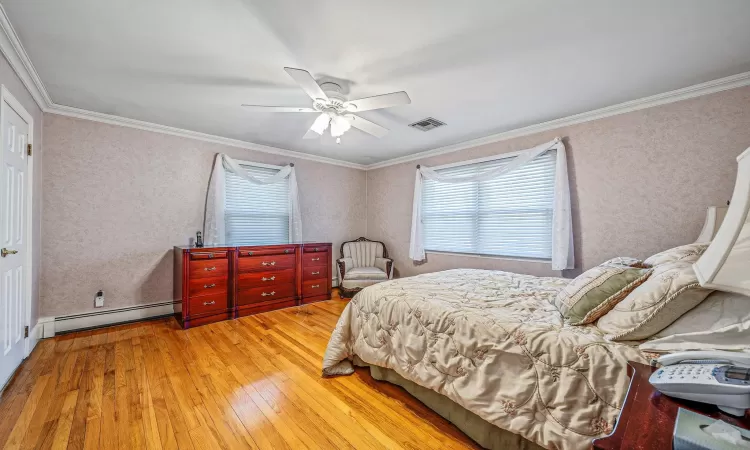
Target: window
<point x="256" y="214"/>
<point x="510" y="215"/>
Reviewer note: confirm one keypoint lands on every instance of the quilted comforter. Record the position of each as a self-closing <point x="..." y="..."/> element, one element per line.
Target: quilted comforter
<point x="494" y="343"/>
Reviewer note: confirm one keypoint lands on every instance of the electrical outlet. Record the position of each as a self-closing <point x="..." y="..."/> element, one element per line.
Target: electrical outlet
<point x="99" y="300"/>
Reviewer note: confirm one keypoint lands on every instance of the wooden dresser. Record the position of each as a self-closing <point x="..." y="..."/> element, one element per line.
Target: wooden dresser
<point x="219" y="283"/>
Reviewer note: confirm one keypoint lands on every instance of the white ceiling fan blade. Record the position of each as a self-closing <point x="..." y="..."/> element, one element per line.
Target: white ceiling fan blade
<point x="367" y="126"/>
<point x="260" y="108"/>
<point x="379" y="101"/>
<point x="307" y="83"/>
<point x="311" y="134"/>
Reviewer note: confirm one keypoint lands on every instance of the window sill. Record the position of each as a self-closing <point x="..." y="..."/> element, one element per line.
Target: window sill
<point x="498" y="257"/>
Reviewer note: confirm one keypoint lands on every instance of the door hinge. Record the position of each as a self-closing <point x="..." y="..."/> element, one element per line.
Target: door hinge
<point x="28" y="149"/>
<point x="26" y="331"/>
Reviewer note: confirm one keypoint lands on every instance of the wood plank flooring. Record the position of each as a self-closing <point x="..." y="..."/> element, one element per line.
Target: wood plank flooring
<point x="247" y="383"/>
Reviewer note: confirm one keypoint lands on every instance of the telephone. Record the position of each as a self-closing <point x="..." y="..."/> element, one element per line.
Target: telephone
<point x="720" y="378"/>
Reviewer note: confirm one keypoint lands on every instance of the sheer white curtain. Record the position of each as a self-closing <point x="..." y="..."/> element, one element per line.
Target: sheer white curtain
<point x="562" y="228"/>
<point x="214" y="230"/>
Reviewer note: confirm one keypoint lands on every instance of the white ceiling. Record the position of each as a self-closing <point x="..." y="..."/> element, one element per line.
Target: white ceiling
<point x="481" y="66"/>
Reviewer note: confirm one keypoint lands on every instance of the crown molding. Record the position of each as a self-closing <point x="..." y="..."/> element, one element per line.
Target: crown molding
<point x="12" y="49"/>
<point x="10" y="46"/>
<point x="709" y="87"/>
<point x="156" y="128"/>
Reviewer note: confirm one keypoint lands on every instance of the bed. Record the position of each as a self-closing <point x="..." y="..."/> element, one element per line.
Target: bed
<point x="482" y="346"/>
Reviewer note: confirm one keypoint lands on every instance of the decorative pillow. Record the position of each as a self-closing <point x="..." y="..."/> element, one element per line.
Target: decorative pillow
<point x="687" y="253"/>
<point x="720" y="322"/>
<point x="627" y="261"/>
<point x="597" y="290"/>
<point x="671" y="291"/>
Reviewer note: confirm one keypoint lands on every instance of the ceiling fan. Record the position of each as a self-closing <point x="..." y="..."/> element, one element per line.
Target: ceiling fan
<point x="335" y="110"/>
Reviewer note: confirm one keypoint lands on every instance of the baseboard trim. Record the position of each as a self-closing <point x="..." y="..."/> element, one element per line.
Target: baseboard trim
<point x="110" y="317"/>
<point x="34" y="336"/>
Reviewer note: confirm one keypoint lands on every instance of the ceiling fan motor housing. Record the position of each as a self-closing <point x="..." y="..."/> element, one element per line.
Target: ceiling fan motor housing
<point x="336" y="100"/>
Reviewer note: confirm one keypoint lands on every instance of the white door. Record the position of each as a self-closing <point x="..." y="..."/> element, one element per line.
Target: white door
<point x="13" y="242"/>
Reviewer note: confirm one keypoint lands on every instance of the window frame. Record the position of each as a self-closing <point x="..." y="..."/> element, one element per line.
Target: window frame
<point x="484" y="159"/>
<point x="243" y="162"/>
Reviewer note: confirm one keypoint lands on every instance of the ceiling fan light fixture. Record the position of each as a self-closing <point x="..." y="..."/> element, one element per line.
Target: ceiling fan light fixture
<point x="339" y="126"/>
<point x="321" y="123"/>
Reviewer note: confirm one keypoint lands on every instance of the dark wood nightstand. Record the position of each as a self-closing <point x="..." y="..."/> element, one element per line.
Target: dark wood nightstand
<point x="647" y="417"/>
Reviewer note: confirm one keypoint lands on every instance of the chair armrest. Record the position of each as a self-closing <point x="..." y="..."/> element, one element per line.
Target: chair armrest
<point x="386" y="265"/>
<point x="345" y="264"/>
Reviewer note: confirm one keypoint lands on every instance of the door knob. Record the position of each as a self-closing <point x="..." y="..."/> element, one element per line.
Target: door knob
<point x="5" y="252"/>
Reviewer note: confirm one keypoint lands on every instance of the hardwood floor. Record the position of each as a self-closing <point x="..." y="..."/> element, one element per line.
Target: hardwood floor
<point x="247" y="383"/>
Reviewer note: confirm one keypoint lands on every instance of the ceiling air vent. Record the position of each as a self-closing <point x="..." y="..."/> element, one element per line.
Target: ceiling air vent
<point x="427" y="124"/>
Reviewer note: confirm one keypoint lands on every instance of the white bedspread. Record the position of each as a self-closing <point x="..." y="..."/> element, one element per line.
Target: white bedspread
<point x="494" y="343"/>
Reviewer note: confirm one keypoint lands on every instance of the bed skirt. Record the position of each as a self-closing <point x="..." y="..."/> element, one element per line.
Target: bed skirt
<point x="482" y="432"/>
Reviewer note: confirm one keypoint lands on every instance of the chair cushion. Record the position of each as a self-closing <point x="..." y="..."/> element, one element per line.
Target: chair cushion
<point x="365" y="273"/>
<point x="363" y="253"/>
<point x="358" y="284"/>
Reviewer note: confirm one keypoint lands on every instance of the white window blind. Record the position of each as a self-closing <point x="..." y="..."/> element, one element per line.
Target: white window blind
<point x="510" y="215"/>
<point x="256" y="214"/>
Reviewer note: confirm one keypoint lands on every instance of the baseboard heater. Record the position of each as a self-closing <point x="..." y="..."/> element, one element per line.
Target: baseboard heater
<point x="118" y="316"/>
<point x="111" y="317"/>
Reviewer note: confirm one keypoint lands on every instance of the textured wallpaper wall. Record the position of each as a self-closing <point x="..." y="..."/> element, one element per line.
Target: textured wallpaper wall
<point x="116" y="200"/>
<point x="640" y="182"/>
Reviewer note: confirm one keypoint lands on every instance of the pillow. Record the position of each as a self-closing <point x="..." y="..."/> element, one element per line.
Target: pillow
<point x="687" y="253"/>
<point x="597" y="290"/>
<point x="627" y="261"/>
<point x="671" y="291"/>
<point x="720" y="322"/>
<point x="718" y="310"/>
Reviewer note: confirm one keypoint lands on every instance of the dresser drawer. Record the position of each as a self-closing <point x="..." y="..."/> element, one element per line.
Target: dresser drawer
<point x="208" y="303"/>
<point x="209" y="268"/>
<point x="315" y="259"/>
<point x="314" y="273"/>
<point x="264" y="294"/>
<point x="314" y="287"/>
<point x="208" y="286"/>
<point x="266" y="263"/>
<point x="199" y="255"/>
<point x="252" y="251"/>
<point x="316" y="248"/>
<point x="263" y="279"/>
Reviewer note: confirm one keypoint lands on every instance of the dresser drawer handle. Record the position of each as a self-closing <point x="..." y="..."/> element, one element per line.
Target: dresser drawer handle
<point x="316" y="249"/>
<point x="315" y="259"/>
<point x="209" y="286"/>
<point x="315" y="273"/>
<point x="266" y="263"/>
<point x="266" y="294"/>
<point x="287" y="251"/>
<point x="315" y="286"/>
<point x="212" y="302"/>
<point x="268" y="279"/>
<point x="208" y="269"/>
<point x="249" y="253"/>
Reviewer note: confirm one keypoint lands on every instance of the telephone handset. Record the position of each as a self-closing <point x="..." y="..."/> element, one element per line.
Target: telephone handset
<point x="717" y="377"/>
<point x="706" y="357"/>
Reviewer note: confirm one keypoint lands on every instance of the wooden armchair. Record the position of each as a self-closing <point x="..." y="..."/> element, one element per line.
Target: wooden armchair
<point x="363" y="263"/>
